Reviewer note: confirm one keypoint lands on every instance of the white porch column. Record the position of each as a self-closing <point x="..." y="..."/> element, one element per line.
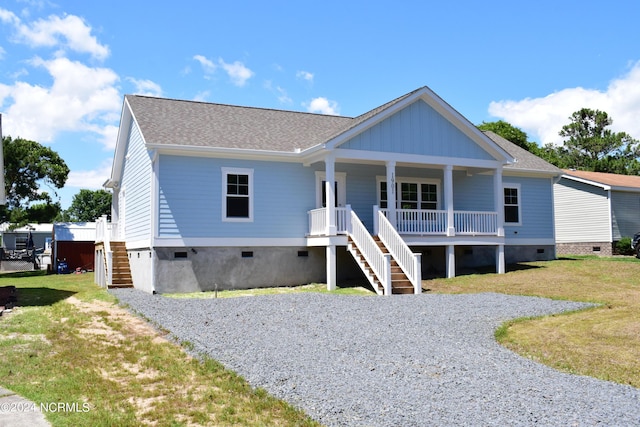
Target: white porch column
<point x="500" y="269"/>
<point x="331" y="267"/>
<point x="451" y="261"/>
<point x="391" y="192"/>
<point x="448" y="199"/>
<point x="330" y="194"/>
<point x="498" y="200"/>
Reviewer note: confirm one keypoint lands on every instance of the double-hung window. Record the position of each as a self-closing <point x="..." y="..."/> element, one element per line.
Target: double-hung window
<point x="237" y="194"/>
<point x="411" y="194"/>
<point x="512" y="204"/>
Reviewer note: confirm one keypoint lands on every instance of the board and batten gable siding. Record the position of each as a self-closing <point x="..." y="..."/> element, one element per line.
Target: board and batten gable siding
<point x="536" y="208"/>
<point x="417" y="129"/>
<point x="190" y="198"/>
<point x="581" y="212"/>
<point x="625" y="213"/>
<point x="136" y="183"/>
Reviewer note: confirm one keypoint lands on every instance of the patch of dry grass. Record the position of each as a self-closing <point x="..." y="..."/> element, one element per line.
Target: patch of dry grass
<point x="603" y="342"/>
<point x="79" y="346"/>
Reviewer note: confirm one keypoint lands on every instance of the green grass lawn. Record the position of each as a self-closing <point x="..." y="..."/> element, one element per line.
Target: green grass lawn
<point x="603" y="342"/>
<point x="69" y="342"/>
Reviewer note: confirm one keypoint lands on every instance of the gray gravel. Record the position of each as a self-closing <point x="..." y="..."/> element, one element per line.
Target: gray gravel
<point x="410" y="360"/>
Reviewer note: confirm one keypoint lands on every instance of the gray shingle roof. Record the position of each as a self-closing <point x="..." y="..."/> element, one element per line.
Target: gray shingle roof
<point x="525" y="160"/>
<point x="201" y="124"/>
<point x="191" y="123"/>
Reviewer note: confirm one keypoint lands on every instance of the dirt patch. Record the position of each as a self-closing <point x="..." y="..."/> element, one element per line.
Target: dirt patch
<point x="113" y="322"/>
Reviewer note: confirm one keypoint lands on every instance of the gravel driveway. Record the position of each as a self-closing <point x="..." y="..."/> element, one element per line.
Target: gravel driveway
<point x="411" y="360"/>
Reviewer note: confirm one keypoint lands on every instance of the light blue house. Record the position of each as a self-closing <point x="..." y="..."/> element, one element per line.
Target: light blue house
<point x="209" y="196"/>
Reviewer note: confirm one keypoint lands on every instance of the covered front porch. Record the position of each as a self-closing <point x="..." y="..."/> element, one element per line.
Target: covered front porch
<point x="414" y="207"/>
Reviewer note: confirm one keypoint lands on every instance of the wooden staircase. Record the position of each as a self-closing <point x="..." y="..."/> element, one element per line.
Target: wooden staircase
<point x="400" y="283"/>
<point x="121" y="275"/>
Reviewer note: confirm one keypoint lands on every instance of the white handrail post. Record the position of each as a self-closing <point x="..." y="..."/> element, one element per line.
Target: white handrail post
<point x="417" y="263"/>
<point x="109" y="256"/>
<point x="387" y="274"/>
<point x="376" y="228"/>
<point x="347" y="224"/>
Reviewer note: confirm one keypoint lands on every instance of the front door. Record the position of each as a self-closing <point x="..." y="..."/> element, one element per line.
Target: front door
<point x="339" y="189"/>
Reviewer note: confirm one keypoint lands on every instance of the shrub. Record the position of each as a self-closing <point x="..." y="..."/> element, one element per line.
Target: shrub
<point x="623" y="246"/>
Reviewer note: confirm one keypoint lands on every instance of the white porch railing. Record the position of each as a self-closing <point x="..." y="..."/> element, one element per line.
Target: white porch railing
<point x="105" y="232"/>
<point x="379" y="262"/>
<point x="318" y="221"/>
<point x="475" y="223"/>
<point x="407" y="260"/>
<point x="434" y="222"/>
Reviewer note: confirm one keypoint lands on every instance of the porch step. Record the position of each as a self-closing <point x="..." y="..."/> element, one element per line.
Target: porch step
<point x="121" y="275"/>
<point x="400" y="283"/>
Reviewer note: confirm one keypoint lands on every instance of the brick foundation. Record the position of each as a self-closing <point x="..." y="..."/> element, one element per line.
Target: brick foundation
<point x="585" y="248"/>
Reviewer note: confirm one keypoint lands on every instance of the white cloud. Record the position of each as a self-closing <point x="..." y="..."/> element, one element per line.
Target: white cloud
<point x="544" y="117"/>
<point x="69" y="32"/>
<point x="202" y="96"/>
<point x="323" y="106"/>
<point x="2" y="52"/>
<point x="146" y="87"/>
<point x="305" y="75"/>
<point x="208" y="66"/>
<point x="280" y="92"/>
<point x="80" y="99"/>
<point x="92" y="179"/>
<point x="237" y="71"/>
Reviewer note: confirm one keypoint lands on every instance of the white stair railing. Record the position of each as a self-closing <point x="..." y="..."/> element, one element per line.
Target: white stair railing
<point x="408" y="261"/>
<point x="104" y="234"/>
<point x="379" y="262"/>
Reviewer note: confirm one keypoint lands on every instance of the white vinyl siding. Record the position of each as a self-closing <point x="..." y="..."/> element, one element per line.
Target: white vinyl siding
<point x="625" y="212"/>
<point x="136" y="181"/>
<point x="581" y="212"/>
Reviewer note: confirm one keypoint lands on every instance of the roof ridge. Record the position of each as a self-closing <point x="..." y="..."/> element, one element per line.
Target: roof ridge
<point x="236" y="106"/>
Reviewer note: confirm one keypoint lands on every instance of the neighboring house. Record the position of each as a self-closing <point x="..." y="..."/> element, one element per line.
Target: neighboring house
<point x="16" y="239"/>
<point x="594" y="210"/>
<point x="20" y="253"/>
<point x="74" y="242"/>
<point x="209" y="196"/>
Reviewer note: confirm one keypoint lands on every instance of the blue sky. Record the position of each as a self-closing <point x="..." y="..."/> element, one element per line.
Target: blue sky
<point x="66" y="65"/>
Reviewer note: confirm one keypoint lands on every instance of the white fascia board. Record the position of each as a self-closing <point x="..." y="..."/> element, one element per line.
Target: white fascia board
<point x="316" y="241"/>
<point x="228" y="153"/>
<point x="587" y="181"/>
<point x="383" y="156"/>
<point x="221" y="242"/>
<point x="121" y="142"/>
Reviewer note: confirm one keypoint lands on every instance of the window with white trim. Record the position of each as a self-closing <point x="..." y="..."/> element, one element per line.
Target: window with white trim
<point x="512" y="204"/>
<point x="412" y="193"/>
<point x="237" y="194"/>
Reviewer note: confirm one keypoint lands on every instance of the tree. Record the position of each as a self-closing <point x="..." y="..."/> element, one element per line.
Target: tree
<point x="591" y="146"/>
<point x="510" y="133"/>
<point x="89" y="205"/>
<point x="27" y="164"/>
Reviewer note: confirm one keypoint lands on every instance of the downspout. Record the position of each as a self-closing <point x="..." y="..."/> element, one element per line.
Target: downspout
<point x="154" y="216"/>
<point x="610" y="217"/>
<point x="3" y="195"/>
